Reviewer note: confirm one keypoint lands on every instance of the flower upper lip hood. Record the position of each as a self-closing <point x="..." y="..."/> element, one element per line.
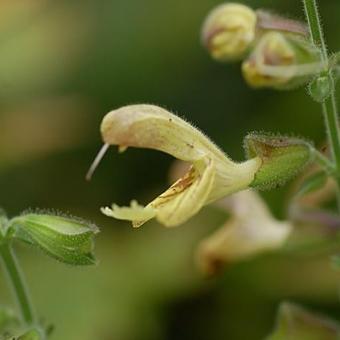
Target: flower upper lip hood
<point x="212" y="175"/>
<point x="149" y="126"/>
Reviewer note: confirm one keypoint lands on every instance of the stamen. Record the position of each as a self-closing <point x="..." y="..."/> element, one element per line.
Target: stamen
<point x="96" y="161"/>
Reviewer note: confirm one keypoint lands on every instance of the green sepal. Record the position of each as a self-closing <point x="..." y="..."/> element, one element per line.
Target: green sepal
<point x="69" y="240"/>
<point x="296" y="323"/>
<point x="282" y="158"/>
<point x="305" y="53"/>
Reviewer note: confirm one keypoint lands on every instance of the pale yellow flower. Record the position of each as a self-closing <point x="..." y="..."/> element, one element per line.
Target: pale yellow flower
<point x="212" y="174"/>
<point x="272" y="160"/>
<point x="229" y="31"/>
<point x="250" y="230"/>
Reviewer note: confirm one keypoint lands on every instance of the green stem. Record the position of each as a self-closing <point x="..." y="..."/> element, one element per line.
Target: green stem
<point x="329" y="107"/>
<point x="331" y="118"/>
<point x="324" y="162"/>
<point x="17" y="282"/>
<point x="315" y="27"/>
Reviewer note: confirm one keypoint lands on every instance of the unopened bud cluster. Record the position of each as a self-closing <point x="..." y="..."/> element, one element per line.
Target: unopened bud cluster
<point x="276" y="51"/>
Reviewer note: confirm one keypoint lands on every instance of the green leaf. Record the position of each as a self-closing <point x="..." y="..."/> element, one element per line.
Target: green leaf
<point x="296" y="323"/>
<point x="312" y="183"/>
<point x="69" y="240"/>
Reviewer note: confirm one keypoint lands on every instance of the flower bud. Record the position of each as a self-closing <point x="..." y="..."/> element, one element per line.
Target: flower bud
<point x="281" y="61"/>
<point x="294" y="322"/>
<point x="320" y="89"/>
<point x="229" y="31"/>
<point x="282" y="158"/>
<point x="68" y="240"/>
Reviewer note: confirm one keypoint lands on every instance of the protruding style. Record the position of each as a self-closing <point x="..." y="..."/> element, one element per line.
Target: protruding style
<point x="96" y="161"/>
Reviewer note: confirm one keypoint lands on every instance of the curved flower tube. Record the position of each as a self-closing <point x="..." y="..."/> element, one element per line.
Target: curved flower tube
<point x="212" y="174"/>
<point x="250" y="230"/>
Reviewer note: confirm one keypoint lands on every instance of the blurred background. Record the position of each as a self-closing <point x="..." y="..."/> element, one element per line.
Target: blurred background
<point x="63" y="65"/>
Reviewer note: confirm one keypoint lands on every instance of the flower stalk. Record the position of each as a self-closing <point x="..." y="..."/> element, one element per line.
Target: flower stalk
<point x="324" y="162"/>
<point x="329" y="105"/>
<point x="17" y="282"/>
<point x="15" y="277"/>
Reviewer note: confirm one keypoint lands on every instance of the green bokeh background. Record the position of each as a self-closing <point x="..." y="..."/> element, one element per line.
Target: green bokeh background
<point x="63" y="65"/>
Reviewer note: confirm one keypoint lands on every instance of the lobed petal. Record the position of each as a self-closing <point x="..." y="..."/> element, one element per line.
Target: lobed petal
<point x="187" y="196"/>
<point x="177" y="204"/>
<point x="136" y="213"/>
